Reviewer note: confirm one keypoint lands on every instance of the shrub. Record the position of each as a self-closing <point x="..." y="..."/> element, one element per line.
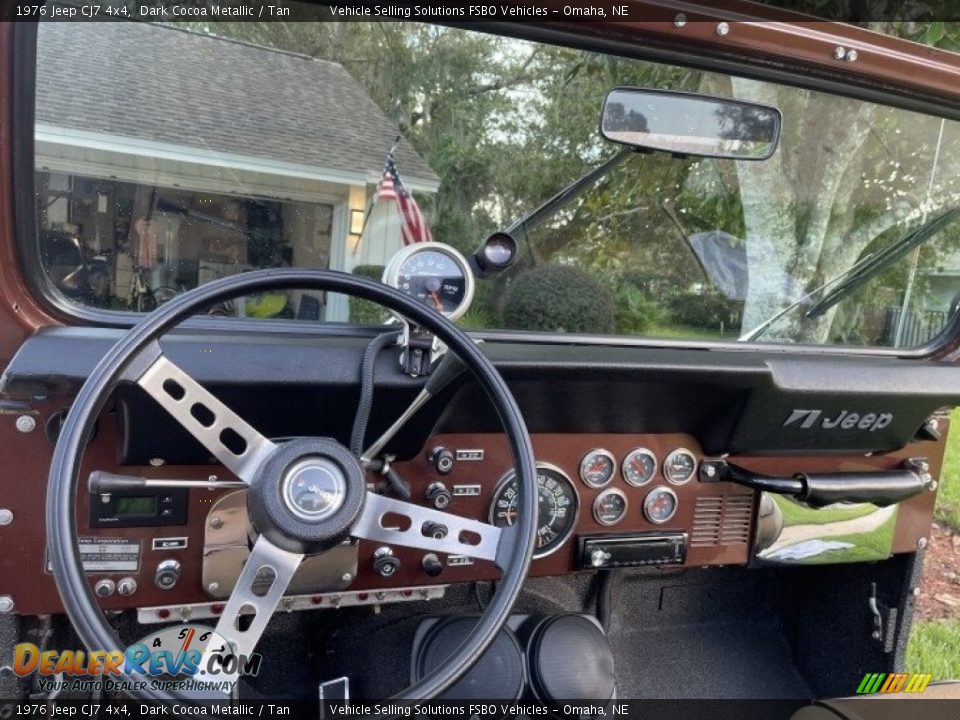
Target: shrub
<point x="635" y="312"/>
<point x="707" y="310"/>
<point x="364" y="312"/>
<point x="558" y="298"/>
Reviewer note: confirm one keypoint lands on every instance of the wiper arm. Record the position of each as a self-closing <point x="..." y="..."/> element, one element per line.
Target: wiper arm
<point x="883" y="259"/>
<point x="858" y="273"/>
<point x="548" y="208"/>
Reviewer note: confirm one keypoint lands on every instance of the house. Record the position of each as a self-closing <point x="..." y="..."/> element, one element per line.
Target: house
<point x="180" y="157"/>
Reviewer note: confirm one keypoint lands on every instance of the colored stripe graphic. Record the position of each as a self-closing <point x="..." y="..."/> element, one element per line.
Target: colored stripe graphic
<point x="893" y="683"/>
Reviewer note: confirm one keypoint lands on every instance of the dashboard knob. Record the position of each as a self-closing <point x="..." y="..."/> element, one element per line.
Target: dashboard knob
<point x="126" y="586"/>
<point x="167" y="575"/>
<point x="599" y="558"/>
<point x="435" y="530"/>
<point x="431" y="565"/>
<point x="442" y="460"/>
<point x="385" y="563"/>
<point x="104" y="588"/>
<point x="438" y="494"/>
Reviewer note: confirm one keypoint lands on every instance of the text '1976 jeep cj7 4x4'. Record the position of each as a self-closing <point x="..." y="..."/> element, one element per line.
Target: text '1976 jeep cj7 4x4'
<point x="547" y="360"/>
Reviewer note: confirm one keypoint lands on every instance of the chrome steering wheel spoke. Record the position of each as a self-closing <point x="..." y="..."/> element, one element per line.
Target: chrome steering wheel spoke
<point x="224" y="433"/>
<point x="422" y="528"/>
<point x="265" y="577"/>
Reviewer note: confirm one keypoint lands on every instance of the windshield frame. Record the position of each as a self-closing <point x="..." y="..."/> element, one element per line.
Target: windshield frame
<point x="52" y="301"/>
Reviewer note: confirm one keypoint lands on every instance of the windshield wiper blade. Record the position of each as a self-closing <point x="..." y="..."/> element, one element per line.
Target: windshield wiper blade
<point x="882" y="260"/>
<point x="548" y="208"/>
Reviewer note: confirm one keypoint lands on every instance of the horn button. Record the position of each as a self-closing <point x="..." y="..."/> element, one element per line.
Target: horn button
<point x="307" y="495"/>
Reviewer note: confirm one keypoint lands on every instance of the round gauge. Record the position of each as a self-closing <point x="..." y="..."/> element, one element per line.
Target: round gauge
<point x="597" y="468"/>
<point x="557" y="505"/>
<point x="435" y="274"/>
<point x="639" y="466"/>
<point x="189" y="642"/>
<point x="610" y="507"/>
<point x="679" y="466"/>
<point x="660" y="505"/>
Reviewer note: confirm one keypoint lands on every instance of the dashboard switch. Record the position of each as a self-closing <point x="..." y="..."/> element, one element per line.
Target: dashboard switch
<point x="431" y="565"/>
<point x="385" y="563"/>
<point x="599" y="558"/>
<point x="126" y="586"/>
<point x="167" y="575"/>
<point x="438" y="495"/>
<point x="442" y="459"/>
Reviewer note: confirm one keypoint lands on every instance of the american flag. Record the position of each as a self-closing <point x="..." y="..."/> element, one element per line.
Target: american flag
<point x="413" y="226"/>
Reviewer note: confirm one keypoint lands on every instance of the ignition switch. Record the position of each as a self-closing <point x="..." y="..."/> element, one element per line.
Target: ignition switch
<point x="442" y="460"/>
<point x="167" y="574"/>
<point x="438" y="494"/>
<point x="385" y="563"/>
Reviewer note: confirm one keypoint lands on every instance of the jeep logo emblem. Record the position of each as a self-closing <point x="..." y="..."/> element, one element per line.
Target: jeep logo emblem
<point x="845" y="420"/>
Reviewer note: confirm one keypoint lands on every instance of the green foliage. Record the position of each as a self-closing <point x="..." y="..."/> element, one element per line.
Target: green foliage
<point x="635" y="311"/>
<point x="707" y="309"/>
<point x="558" y="298"/>
<point x="364" y="312"/>
<point x="947" y="511"/>
<point x="933" y="649"/>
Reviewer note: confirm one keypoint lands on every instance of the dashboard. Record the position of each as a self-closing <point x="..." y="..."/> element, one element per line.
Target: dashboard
<point x="621" y="435"/>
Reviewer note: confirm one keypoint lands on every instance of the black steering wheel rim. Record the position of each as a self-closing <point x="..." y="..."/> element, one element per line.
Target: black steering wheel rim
<point x="75" y="592"/>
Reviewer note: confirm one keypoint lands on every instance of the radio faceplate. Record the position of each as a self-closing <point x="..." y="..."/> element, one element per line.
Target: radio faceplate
<point x="140" y="508"/>
<point x="608" y="551"/>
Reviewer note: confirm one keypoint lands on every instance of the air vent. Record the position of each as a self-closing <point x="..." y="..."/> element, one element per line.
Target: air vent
<point x="721" y="520"/>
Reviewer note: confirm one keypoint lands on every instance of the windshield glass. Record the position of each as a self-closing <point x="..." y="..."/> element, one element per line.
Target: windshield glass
<point x="168" y="156"/>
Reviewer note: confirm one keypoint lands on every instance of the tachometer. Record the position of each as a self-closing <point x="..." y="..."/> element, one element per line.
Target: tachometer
<point x="639" y="466"/>
<point x="597" y="468"/>
<point x="557" y="506"/>
<point x="435" y="274"/>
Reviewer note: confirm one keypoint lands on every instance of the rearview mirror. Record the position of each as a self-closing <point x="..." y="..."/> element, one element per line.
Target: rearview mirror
<point x="688" y="124"/>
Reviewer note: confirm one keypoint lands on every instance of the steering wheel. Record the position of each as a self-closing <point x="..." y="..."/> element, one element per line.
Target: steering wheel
<point x="290" y="525"/>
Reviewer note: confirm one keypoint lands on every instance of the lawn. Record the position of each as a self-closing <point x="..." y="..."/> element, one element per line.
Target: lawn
<point x="948" y="496"/>
<point x="935" y="644"/>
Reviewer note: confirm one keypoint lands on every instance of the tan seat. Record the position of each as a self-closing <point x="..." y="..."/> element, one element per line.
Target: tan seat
<point x="890" y="707"/>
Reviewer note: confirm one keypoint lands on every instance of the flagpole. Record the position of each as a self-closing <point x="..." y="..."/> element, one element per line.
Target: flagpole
<point x="387" y="164"/>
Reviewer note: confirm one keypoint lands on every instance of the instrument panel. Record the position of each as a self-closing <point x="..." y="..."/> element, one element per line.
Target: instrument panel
<point x="167" y="555"/>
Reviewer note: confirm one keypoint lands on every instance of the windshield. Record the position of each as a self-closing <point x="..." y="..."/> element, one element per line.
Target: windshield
<point x="170" y="156"/>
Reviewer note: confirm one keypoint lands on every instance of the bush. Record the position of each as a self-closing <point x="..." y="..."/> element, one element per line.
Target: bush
<point x="635" y="312"/>
<point x="558" y="298"/>
<point x="708" y="310"/>
<point x="364" y="312"/>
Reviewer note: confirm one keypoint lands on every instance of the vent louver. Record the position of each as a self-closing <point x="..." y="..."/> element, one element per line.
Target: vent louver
<point x="721" y="520"/>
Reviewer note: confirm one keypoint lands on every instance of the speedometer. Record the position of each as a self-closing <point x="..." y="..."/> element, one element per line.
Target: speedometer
<point x="435" y="274"/>
<point x="557" y="506"/>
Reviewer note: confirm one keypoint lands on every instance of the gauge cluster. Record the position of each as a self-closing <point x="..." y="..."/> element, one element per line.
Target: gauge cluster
<point x="603" y="501"/>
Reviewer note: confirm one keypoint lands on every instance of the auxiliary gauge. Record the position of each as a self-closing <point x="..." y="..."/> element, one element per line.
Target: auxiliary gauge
<point x="597" y="468"/>
<point x="660" y="505"/>
<point x="639" y="467"/>
<point x="435" y="274"/>
<point x="679" y="466"/>
<point x="610" y="507"/>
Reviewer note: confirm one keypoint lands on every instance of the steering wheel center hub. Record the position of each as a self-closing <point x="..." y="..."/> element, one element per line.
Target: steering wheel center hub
<point x="307" y="495"/>
<point x="314" y="489"/>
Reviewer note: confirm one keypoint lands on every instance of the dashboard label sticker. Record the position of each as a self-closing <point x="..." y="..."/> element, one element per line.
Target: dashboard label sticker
<point x="459" y="560"/>
<point x="107" y="554"/>
<point x="466" y="490"/>
<point x="170" y="543"/>
<point x="470" y="454"/>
